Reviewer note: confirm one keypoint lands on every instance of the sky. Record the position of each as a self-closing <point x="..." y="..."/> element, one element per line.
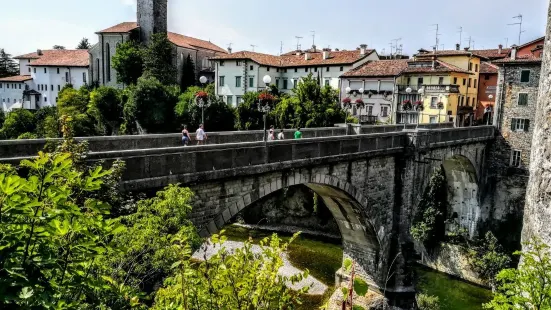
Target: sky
<point x="27" y="25"/>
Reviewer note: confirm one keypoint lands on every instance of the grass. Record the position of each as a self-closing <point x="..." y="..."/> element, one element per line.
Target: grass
<point x="321" y="258"/>
<point x="453" y="293"/>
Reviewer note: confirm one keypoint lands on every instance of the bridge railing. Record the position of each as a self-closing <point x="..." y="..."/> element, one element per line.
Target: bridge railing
<point x="460" y="135"/>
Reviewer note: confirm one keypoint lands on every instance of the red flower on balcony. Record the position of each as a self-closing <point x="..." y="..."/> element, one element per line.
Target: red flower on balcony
<point x="418" y="102"/>
<point x="201" y="94"/>
<point x="406" y="102"/>
<point x="346" y="100"/>
<point x="406" y="105"/>
<point x="360" y="103"/>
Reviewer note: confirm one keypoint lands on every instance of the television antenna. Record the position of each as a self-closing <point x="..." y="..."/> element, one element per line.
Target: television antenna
<point x="469" y="40"/>
<point x="460" y="34"/>
<point x="298" y="42"/>
<point x="313" y="38"/>
<point x="506" y="42"/>
<point x="253" y="46"/>
<point x="437" y="34"/>
<point x="281" y="49"/>
<point x="520" y="31"/>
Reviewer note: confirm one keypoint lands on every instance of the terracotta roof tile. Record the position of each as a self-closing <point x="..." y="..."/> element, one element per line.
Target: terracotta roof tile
<point x="448" y="53"/>
<point x="16" y="78"/>
<point x="185" y="41"/>
<point x="63" y="58"/>
<point x="531" y="42"/>
<point x="120" y="28"/>
<point x="335" y="58"/>
<point x="378" y="68"/>
<point x="493" y="53"/>
<point x="488" y="68"/>
<point x="28" y="56"/>
<point x="440" y="67"/>
<point x="520" y="59"/>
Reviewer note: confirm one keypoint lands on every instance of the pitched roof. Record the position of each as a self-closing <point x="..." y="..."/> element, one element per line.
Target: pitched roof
<point x="28" y="56"/>
<point x="62" y="58"/>
<point x="120" y="28"/>
<point x="16" y="78"/>
<point x="440" y="67"/>
<point x="316" y="59"/>
<point x="189" y="42"/>
<point x="520" y="59"/>
<point x="448" y="53"/>
<point x="378" y="68"/>
<point x="531" y="42"/>
<point x="488" y="68"/>
<point x="493" y="53"/>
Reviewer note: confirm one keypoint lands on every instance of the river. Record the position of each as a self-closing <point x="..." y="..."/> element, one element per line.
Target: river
<point x="323" y="256"/>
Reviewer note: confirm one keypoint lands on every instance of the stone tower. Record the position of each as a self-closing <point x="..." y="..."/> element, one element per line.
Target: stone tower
<point x="152" y="18"/>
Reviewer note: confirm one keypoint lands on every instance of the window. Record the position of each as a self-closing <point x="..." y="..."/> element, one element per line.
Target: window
<point x="45" y="99"/>
<point x="58" y="88"/>
<point x="268" y="69"/>
<point x="486" y="77"/>
<point x="525" y="76"/>
<point x="285" y="70"/>
<point x="277" y="69"/>
<point x="441" y="80"/>
<point x="433" y="102"/>
<point x="221" y="82"/>
<point x="409" y="81"/>
<point x="515" y="158"/>
<point x="251" y="81"/>
<point x="342" y="68"/>
<point x="237" y="81"/>
<point x="20" y="86"/>
<point x="384" y="111"/>
<point x="108" y="62"/>
<point x="251" y="67"/>
<point x="470" y="66"/>
<point x="83" y="78"/>
<point x="230" y="100"/>
<point x="238" y="63"/>
<point x="464" y="82"/>
<point x="29" y="70"/>
<point x="475" y="67"/>
<point x="520" y="124"/>
<point x="432" y="119"/>
<point x="285" y="84"/>
<point x="305" y="69"/>
<point x="238" y="100"/>
<point x="67" y="80"/>
<point x="222" y="64"/>
<point x="326" y="82"/>
<point x="45" y="71"/>
<point x="455" y="81"/>
<point x="57" y="70"/>
<point x="316" y="69"/>
<point x="0" y="85"/>
<point x="470" y="80"/>
<point x="327" y="69"/>
<point x="475" y="83"/>
<point x="420" y="81"/>
<point x="295" y="83"/>
<point x="522" y="99"/>
<point x="52" y="87"/>
<point x="461" y="100"/>
<point x="296" y="69"/>
<point x="34" y="70"/>
<point x="97" y="66"/>
<point x="370" y="110"/>
<point x="277" y="83"/>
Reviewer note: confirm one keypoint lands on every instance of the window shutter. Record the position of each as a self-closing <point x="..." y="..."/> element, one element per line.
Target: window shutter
<point x="526" y="124"/>
<point x="513" y="124"/>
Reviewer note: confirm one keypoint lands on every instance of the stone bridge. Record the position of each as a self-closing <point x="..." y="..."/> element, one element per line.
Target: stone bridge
<point x="371" y="183"/>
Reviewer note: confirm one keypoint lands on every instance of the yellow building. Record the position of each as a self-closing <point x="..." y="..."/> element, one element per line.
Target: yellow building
<point x="445" y="83"/>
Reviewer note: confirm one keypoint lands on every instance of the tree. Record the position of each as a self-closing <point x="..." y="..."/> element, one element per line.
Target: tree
<point x="8" y="66"/>
<point x="18" y="121"/>
<point x="158" y="59"/>
<point x="188" y="74"/>
<point x="247" y="115"/>
<point x="106" y="107"/>
<point x="488" y="258"/>
<point x="242" y="279"/>
<point x="151" y="104"/>
<point x="529" y="286"/>
<point x="59" y="47"/>
<point x="47" y="125"/>
<point x="84" y="44"/>
<point x="51" y="241"/>
<point x="128" y="62"/>
<point x="74" y="103"/>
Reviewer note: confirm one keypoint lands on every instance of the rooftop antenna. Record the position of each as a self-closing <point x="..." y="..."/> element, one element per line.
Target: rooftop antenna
<point x="391" y="46"/>
<point x="469" y="40"/>
<point x="229" y="45"/>
<point x="442" y="46"/>
<point x="506" y="42"/>
<point x="460" y="34"/>
<point x="313" y="37"/>
<point x="437" y="34"/>
<point x="298" y="42"/>
<point x="520" y="31"/>
<point x="281" y="49"/>
<point x="396" y="44"/>
<point x="473" y="45"/>
<point x="253" y="46"/>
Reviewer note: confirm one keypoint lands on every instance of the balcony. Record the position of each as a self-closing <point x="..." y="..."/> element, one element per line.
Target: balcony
<point x="368" y="119"/>
<point x="436" y="88"/>
<point x="465" y="109"/>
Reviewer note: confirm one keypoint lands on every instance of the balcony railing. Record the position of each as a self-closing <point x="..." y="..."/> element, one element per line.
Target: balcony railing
<point x="368" y="119"/>
<point x="430" y="88"/>
<point x="465" y="109"/>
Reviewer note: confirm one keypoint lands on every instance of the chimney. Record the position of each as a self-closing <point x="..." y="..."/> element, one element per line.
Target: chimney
<point x="433" y="57"/>
<point x="314" y="48"/>
<point x="336" y="50"/>
<point x="39" y="52"/>
<point x="307" y="56"/>
<point x="513" y="52"/>
<point x="500" y="47"/>
<point x="457" y="47"/>
<point x="363" y="48"/>
<point x="229" y="50"/>
<point x="325" y="53"/>
<point x="298" y="52"/>
<point x="466" y="49"/>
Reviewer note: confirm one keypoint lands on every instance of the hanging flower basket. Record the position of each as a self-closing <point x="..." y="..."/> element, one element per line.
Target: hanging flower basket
<point x="360" y="103"/>
<point x="440" y="105"/>
<point x="346" y="101"/>
<point x="201" y="95"/>
<point x="418" y="105"/>
<point x="266" y="98"/>
<point x="406" y="105"/>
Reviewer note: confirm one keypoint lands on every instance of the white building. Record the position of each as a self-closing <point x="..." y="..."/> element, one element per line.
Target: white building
<point x="42" y="75"/>
<point x="241" y="72"/>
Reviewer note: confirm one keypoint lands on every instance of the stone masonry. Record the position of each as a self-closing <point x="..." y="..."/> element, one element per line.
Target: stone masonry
<point x="152" y="16"/>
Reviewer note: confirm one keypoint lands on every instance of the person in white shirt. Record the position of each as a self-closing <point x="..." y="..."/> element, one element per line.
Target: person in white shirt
<point x="200" y="135"/>
<point x="280" y="135"/>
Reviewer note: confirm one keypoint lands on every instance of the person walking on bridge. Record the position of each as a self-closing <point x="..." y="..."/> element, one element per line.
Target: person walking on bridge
<point x="200" y="135"/>
<point x="271" y="134"/>
<point x="185" y="136"/>
<point x="298" y="134"/>
<point x="281" y="135"/>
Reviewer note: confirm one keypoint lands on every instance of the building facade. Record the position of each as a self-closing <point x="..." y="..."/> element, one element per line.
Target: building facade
<point x="241" y="72"/>
<point x="377" y="79"/>
<point x="42" y="76"/>
<point x="151" y="19"/>
<point x="487" y="95"/>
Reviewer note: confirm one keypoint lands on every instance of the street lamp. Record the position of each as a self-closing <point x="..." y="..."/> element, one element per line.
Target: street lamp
<point x="203" y="101"/>
<point x="264" y="102"/>
<point x="488" y="110"/>
<point x="361" y="90"/>
<point x="203" y="79"/>
<point x="421" y="92"/>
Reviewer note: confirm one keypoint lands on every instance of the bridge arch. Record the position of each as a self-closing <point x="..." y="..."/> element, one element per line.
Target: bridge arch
<point x="463" y="193"/>
<point x="356" y="221"/>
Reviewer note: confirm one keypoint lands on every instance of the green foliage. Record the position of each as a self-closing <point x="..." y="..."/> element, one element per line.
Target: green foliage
<point x="428" y="225"/>
<point x="8" y="66"/>
<point x="247" y="116"/>
<point x="18" y="122"/>
<point x="58" y="47"/>
<point x="84" y="44"/>
<point x="47" y="124"/>
<point x="487" y="258"/>
<point x="238" y="280"/>
<point x="2" y="118"/>
<point x="158" y="59"/>
<point x="74" y="103"/>
<point x="358" y="285"/>
<point x="128" y="62"/>
<point x="27" y="135"/>
<point x="188" y="74"/>
<point x="427" y="302"/>
<point x="107" y="109"/>
<point x="218" y="116"/>
<point x="151" y="104"/>
<point x="51" y="241"/>
<point x="529" y="286"/>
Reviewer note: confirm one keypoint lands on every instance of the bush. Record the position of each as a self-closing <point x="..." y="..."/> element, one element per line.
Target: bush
<point x="487" y="258"/>
<point x="47" y="125"/>
<point x="18" y="122"/>
<point x="27" y="135"/>
<point x="427" y="302"/>
<point x="107" y="109"/>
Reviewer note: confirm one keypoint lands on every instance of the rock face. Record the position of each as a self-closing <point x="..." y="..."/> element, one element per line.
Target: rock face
<point x="293" y="206"/>
<point x="537" y="211"/>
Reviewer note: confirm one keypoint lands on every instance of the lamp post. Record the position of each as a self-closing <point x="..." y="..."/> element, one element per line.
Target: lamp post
<point x="408" y="91"/>
<point x="264" y="105"/>
<point x="440" y="106"/>
<point x="201" y="102"/>
<point x="361" y="90"/>
<point x="421" y="92"/>
<point x="347" y="107"/>
<point x="488" y="110"/>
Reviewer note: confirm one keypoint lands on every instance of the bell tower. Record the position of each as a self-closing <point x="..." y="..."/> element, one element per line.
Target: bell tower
<point x="152" y="18"/>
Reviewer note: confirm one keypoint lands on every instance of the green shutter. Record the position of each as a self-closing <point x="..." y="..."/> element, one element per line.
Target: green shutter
<point x="522" y="99"/>
<point x="513" y="124"/>
<point x="526" y="125"/>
